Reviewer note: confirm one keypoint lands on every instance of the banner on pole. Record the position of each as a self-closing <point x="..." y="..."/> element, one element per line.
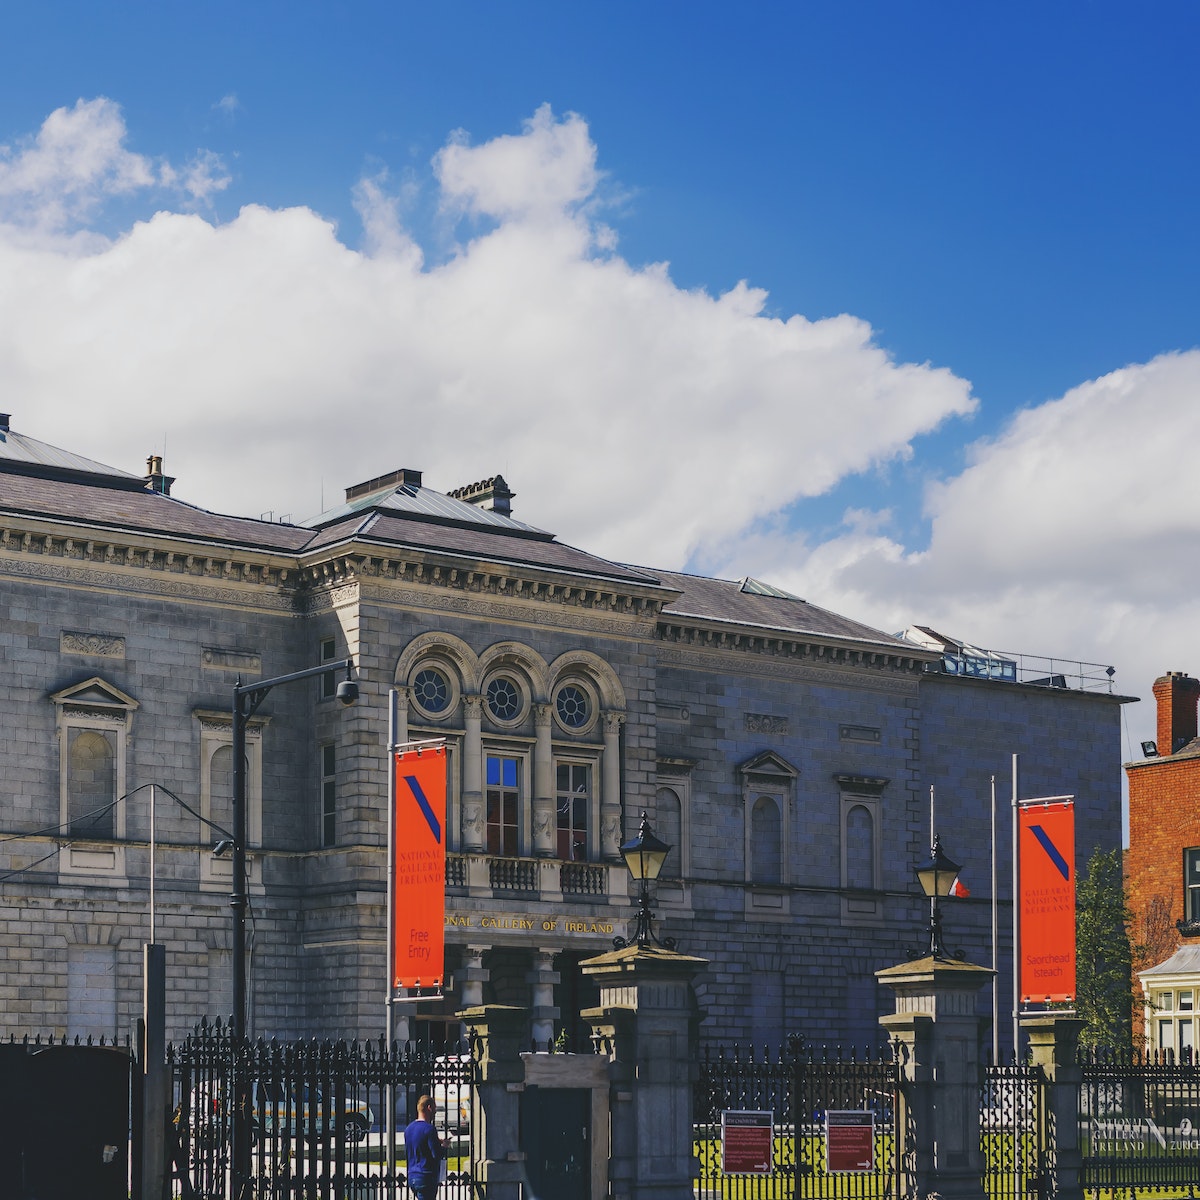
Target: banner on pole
<point x="419" y="894"/>
<point x="1046" y="865"/>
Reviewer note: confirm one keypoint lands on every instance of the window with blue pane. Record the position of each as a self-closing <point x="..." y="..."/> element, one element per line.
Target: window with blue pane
<point x="574" y="809"/>
<point x="503" y="805"/>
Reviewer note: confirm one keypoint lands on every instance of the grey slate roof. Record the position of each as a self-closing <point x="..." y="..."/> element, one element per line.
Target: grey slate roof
<point x="414" y="500"/>
<point x="484" y="543"/>
<point x="39" y="480"/>
<point x="140" y="509"/>
<point x="728" y="601"/>
<point x="19" y="448"/>
<point x="1185" y="961"/>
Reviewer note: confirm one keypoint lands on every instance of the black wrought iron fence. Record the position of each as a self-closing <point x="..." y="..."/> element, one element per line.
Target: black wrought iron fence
<point x="1012" y="1131"/>
<point x="317" y="1113"/>
<point x="799" y="1122"/>
<point x="1139" y="1118"/>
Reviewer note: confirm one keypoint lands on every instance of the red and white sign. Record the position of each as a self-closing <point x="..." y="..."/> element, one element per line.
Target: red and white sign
<point x="419" y="892"/>
<point x="746" y="1142"/>
<point x="849" y="1142"/>
<point x="1046" y="870"/>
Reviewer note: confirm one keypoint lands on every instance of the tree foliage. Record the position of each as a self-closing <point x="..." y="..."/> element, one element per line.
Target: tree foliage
<point x="1104" y="962"/>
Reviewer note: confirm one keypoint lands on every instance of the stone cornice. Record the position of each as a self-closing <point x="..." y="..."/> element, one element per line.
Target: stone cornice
<point x="73" y="552"/>
<point x="509" y="582"/>
<point x="801" y="648"/>
<point x="783" y="659"/>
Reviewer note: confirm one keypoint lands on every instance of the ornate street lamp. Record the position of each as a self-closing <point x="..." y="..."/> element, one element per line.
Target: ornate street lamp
<point x="644" y="856"/>
<point x="936" y="878"/>
<point x="246" y="699"/>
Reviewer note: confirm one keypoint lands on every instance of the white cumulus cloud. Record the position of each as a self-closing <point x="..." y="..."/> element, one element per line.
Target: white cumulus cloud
<point x="1075" y="534"/>
<point x="78" y="159"/>
<point x="275" y="365"/>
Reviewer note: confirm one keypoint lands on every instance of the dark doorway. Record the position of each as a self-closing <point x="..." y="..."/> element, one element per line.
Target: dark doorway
<point x="555" y="1124"/>
<point x="572" y="994"/>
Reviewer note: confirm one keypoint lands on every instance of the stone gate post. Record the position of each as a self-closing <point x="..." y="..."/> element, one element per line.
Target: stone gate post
<point x="1054" y="1046"/>
<point x="495" y="1111"/>
<point x="940" y="1033"/>
<point x="648" y="1017"/>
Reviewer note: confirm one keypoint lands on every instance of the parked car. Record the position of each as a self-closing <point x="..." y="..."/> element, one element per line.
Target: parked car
<point x="279" y="1110"/>
<point x="450" y="1093"/>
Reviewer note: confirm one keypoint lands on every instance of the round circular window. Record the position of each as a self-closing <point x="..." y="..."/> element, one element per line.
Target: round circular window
<point x="505" y="702"/>
<point x="573" y="707"/>
<point x="432" y="692"/>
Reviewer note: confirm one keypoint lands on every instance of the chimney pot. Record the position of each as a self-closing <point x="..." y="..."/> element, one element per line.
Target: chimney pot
<point x="1178" y="696"/>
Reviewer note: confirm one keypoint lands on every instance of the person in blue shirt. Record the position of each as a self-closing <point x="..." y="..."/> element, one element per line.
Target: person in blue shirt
<point x="423" y="1151"/>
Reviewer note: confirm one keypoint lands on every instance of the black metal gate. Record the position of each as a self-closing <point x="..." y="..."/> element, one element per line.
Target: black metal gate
<point x="1139" y="1121"/>
<point x="1012" y="1132"/>
<point x="64" y="1120"/>
<point x="804" y="1091"/>
<point x="318" y="1115"/>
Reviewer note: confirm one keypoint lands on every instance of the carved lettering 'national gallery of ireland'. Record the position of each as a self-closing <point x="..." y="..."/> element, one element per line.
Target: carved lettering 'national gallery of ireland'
<point x="785" y="752"/>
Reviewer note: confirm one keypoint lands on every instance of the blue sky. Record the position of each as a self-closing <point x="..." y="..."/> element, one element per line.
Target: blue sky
<point x="972" y="214"/>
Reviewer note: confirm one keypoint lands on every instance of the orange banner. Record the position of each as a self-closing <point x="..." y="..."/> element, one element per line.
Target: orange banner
<point x="1047" y="913"/>
<point x="419" y="894"/>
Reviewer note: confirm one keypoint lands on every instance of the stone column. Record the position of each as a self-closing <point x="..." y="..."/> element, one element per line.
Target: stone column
<point x="474" y="822"/>
<point x="499" y="1165"/>
<point x="401" y="715"/>
<point x="475" y="975"/>
<point x="940" y="1032"/>
<point x="610" y="802"/>
<point x="648" y="1018"/>
<point x="1053" y="1046"/>
<point x="542" y="979"/>
<point x="545" y="824"/>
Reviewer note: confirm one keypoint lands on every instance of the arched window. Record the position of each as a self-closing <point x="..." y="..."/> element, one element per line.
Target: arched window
<point x="220" y="783"/>
<point x="92" y="784"/>
<point x="669" y="827"/>
<point x="766" y="842"/>
<point x="860" y="848"/>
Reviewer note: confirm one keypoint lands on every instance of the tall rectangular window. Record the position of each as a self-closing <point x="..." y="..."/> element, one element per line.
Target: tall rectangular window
<point x="329" y="795"/>
<point x="574" y="808"/>
<point x="1191" y="884"/>
<point x="329" y="682"/>
<point x="503" y="805"/>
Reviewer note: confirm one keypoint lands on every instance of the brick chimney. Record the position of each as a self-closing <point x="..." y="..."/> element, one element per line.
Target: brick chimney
<point x="1177" y="694"/>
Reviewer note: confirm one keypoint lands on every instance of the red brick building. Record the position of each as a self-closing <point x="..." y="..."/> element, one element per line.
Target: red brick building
<point x="1162" y="865"/>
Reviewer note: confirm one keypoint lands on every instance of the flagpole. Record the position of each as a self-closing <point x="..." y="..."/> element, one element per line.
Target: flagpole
<point x="995" y="940"/>
<point x="1016" y="910"/>
<point x="390" y="1125"/>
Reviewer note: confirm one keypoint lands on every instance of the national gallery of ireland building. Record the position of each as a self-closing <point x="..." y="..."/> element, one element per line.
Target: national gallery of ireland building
<point x="786" y="753"/>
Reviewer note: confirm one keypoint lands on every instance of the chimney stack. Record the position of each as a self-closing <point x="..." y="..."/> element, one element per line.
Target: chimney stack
<point x="1177" y="694"/>
<point x="157" y="481"/>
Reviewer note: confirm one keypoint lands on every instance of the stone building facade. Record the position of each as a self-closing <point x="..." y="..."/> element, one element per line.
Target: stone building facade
<point x="785" y="752"/>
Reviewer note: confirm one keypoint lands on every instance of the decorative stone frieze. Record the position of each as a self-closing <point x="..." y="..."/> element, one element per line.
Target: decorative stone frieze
<point x="94" y="645"/>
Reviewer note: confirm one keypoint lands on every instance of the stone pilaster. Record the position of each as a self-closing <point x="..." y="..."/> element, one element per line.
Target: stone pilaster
<point x="1053" y="1046"/>
<point x="474" y="822"/>
<point x="940" y="1032"/>
<point x="545" y="824"/>
<point x="647" y="1018"/>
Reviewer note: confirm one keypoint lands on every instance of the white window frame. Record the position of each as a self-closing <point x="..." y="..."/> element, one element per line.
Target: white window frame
<point x="522" y="751"/>
<point x="866" y="792"/>
<point x="93" y="706"/>
<point x="674" y="775"/>
<point x="768" y="774"/>
<point x="578" y="756"/>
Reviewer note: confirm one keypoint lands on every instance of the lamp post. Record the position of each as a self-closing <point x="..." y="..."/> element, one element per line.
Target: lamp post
<point x="644" y="856"/>
<point x="246" y="699"/>
<point x="936" y="878"/>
